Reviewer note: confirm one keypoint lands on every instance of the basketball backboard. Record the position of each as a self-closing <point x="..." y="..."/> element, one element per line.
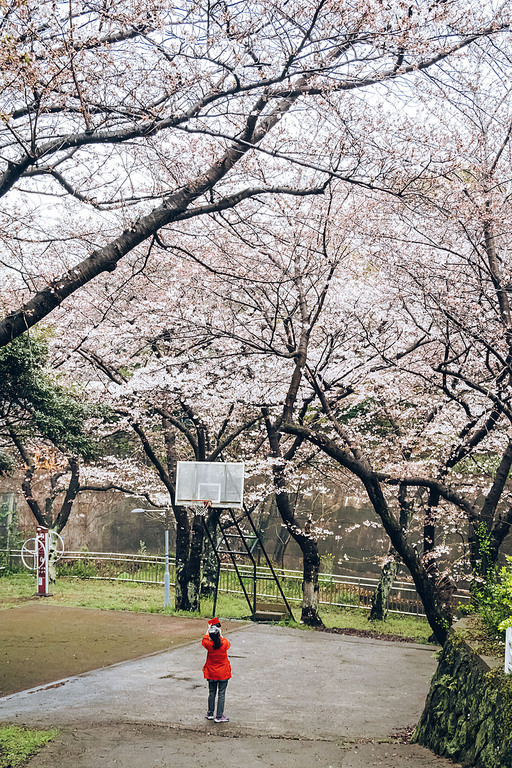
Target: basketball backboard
<point x="221" y="483"/>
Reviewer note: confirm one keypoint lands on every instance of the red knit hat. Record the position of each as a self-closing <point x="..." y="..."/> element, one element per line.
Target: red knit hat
<point x="213" y="622"/>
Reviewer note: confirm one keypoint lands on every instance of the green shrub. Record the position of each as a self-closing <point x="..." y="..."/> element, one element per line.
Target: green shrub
<point x="504" y="595"/>
<point x="81" y="569"/>
<point x="493" y="600"/>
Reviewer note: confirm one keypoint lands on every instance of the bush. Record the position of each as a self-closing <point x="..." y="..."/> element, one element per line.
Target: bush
<point x="504" y="595"/>
<point x="9" y="568"/>
<point x="81" y="569"/>
<point x="493" y="601"/>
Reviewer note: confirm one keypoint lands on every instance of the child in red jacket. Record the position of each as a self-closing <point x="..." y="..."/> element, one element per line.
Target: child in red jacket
<point x="217" y="670"/>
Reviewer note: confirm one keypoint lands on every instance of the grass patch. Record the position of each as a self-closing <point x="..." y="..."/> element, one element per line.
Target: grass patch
<point x="129" y="596"/>
<point x="18" y="744"/>
<point x="476" y="633"/>
<point x="112" y="596"/>
<point x="414" y="627"/>
<point x="15" y="587"/>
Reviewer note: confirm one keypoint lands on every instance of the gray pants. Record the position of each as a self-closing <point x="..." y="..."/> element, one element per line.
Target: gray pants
<point x="213" y="687"/>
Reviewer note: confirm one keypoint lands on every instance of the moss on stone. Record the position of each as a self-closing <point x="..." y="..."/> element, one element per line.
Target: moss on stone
<point x="468" y="712"/>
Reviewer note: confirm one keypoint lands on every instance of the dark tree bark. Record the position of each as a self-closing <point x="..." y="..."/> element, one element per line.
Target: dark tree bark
<point x="318" y="59"/>
<point x="380" y="598"/>
<point x="70" y="496"/>
<point x="429" y="534"/>
<point x="437" y="614"/>
<point x="210" y="562"/>
<point x="486" y="534"/>
<point x="176" y="207"/>
<point x="303" y="536"/>
<point x="189" y="549"/>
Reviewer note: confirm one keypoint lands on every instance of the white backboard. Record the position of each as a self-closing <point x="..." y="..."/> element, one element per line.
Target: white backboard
<point x="222" y="483"/>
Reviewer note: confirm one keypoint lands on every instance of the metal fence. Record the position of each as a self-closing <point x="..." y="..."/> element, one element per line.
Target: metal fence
<point x="343" y="591"/>
<point x="336" y="590"/>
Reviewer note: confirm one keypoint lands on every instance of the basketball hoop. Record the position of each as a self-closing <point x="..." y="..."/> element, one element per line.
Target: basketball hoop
<point x="203" y="506"/>
<point x="207" y="484"/>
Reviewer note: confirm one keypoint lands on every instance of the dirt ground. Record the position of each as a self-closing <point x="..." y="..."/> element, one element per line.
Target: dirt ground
<point x="126" y="689"/>
<point x="41" y="643"/>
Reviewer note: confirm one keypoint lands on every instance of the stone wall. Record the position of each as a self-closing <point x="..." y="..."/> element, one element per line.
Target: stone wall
<point x="468" y="712"/>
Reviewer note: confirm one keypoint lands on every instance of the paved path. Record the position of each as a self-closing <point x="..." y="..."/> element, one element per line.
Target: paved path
<point x="296" y="699"/>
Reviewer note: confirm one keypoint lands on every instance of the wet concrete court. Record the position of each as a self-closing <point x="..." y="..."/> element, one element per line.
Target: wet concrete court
<point x="296" y="699"/>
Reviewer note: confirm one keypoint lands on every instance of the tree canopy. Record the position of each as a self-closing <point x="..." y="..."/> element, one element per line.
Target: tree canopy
<point x="34" y="403"/>
<point x="275" y="231"/>
<point x="119" y="123"/>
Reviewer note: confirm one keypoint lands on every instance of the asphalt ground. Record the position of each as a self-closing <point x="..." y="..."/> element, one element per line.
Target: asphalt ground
<point x="296" y="699"/>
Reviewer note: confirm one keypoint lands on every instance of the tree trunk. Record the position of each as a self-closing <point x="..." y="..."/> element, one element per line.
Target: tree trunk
<point x="304" y="538"/>
<point x="429" y="535"/>
<point x="71" y="494"/>
<point x="194" y="563"/>
<point x="210" y="561"/>
<point x="438" y="616"/>
<point x="182" y="554"/>
<point x="486" y="534"/>
<point x="189" y="550"/>
<point x="380" y="599"/>
<point x="310" y="597"/>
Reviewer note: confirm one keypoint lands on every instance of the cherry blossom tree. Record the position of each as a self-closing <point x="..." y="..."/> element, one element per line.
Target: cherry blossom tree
<point x="455" y="292"/>
<point x="443" y="334"/>
<point x="176" y="412"/>
<point x="143" y="163"/>
<point x="203" y="379"/>
<point x="120" y="123"/>
<point x="272" y="281"/>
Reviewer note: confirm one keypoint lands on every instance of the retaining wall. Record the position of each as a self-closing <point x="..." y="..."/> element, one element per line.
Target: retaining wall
<point x="468" y="712"/>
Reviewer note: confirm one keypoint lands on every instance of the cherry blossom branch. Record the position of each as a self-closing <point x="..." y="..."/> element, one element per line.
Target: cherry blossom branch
<point x="105" y="259"/>
<point x="121" y="489"/>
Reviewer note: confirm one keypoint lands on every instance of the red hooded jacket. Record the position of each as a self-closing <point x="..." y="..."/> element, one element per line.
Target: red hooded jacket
<point x="217" y="665"/>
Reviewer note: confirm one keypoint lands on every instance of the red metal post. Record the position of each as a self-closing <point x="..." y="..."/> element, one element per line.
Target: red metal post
<point x="42" y="554"/>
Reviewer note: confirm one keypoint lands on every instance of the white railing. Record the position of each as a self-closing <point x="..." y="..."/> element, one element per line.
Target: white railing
<point x="334" y="589"/>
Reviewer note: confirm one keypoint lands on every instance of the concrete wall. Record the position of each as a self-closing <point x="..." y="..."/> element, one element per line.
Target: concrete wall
<point x="468" y="712"/>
